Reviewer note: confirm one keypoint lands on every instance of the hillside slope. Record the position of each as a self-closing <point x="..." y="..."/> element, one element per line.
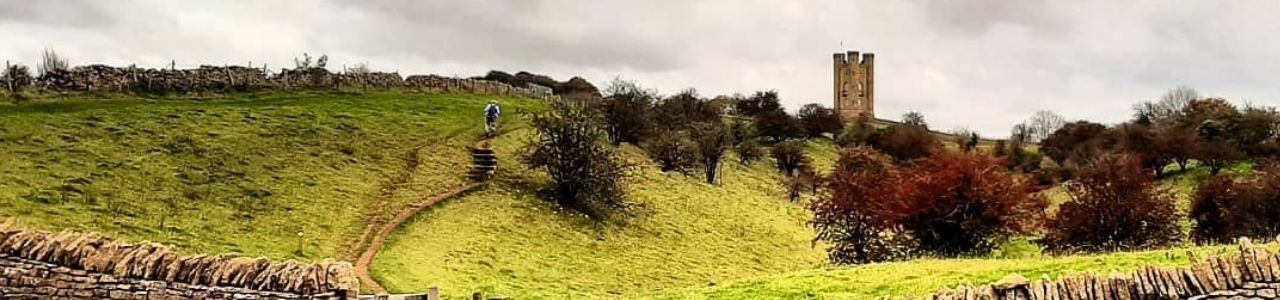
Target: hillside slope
<point x="919" y="278"/>
<point x="240" y="173"/>
<point x="504" y="240"/>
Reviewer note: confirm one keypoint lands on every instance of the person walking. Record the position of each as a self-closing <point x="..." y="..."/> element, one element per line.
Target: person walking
<point x="491" y="113"/>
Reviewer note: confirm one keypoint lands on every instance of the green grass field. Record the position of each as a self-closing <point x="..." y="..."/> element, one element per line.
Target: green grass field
<point x="243" y="173"/>
<point x="504" y="240"/>
<point x="246" y="173"/>
<point x="921" y="277"/>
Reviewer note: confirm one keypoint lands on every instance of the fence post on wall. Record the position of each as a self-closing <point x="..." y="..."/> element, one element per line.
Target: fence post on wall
<point x="8" y="78"/>
<point x="230" y="79"/>
<point x="433" y="293"/>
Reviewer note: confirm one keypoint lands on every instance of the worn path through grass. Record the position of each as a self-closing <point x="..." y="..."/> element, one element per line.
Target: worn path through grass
<point x="283" y="175"/>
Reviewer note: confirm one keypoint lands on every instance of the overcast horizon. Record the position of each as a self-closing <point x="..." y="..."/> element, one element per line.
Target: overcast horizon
<point x="986" y="65"/>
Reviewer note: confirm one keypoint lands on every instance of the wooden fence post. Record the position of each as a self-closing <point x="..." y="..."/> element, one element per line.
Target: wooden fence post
<point x="8" y="78"/>
<point x="230" y="79"/>
<point x="433" y="293"/>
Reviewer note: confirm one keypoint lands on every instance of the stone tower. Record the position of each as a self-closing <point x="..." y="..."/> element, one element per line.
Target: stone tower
<point x="855" y="85"/>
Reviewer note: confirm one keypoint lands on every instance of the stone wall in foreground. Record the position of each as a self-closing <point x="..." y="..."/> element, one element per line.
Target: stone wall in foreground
<point x="1254" y="274"/>
<point x="42" y="265"/>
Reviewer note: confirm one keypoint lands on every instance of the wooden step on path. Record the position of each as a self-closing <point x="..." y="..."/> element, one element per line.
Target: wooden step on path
<point x="484" y="162"/>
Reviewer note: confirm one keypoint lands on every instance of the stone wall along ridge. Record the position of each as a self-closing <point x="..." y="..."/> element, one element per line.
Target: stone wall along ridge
<point x="95" y="78"/>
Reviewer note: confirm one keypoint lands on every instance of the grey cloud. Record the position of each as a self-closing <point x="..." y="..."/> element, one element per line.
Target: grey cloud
<point x="69" y="13"/>
<point x="978" y="16"/>
<point x="511" y="33"/>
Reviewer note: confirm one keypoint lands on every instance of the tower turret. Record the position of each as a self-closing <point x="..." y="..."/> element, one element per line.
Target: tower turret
<point x="854" y="84"/>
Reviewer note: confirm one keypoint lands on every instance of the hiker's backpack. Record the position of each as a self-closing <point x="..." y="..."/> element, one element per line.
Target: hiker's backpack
<point x="492" y="111"/>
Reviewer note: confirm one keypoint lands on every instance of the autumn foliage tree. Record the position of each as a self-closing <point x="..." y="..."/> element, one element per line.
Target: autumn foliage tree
<point x="1114" y="204"/>
<point x="1074" y="143"/>
<point x="957" y="203"/>
<point x="945" y="204"/>
<point x="905" y="142"/>
<point x="1226" y="208"/>
<point x="850" y="216"/>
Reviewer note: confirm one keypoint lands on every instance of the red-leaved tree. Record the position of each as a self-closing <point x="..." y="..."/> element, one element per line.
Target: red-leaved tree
<point x="1114" y="204"/>
<point x="850" y="216"/>
<point x="959" y="203"/>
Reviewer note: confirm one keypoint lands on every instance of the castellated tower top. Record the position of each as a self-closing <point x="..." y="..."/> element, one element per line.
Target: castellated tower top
<point x="854" y="87"/>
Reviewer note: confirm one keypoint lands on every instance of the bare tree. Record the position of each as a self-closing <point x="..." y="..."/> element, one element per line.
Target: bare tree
<point x="1020" y="133"/>
<point x="360" y="68"/>
<point x="1168" y="108"/>
<point x="51" y="61"/>
<point x="15" y="77"/>
<point x="304" y="62"/>
<point x="307" y="62"/>
<point x="965" y="138"/>
<point x="322" y="61"/>
<point x="1043" y="123"/>
<point x="960" y="131"/>
<point x="914" y="118"/>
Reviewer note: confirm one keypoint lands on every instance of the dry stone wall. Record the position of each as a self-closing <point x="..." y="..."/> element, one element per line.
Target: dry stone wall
<point x="1254" y="274"/>
<point x="93" y="78"/>
<point x="43" y="265"/>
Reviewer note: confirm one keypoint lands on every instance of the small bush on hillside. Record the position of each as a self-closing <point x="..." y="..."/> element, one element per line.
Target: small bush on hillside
<point x="748" y="151"/>
<point x="1209" y="208"/>
<point x="816" y="120"/>
<point x="741" y="130"/>
<point x="1074" y="143"/>
<point x="806" y="179"/>
<point x="1177" y="144"/>
<point x="1217" y="154"/>
<point x="848" y="216"/>
<point x="586" y="174"/>
<point x="1145" y="144"/>
<point x="905" y="142"/>
<point x="959" y="203"/>
<point x="777" y="125"/>
<point x="711" y="140"/>
<point x="678" y="111"/>
<point x="673" y="150"/>
<point x="759" y="102"/>
<point x="789" y="157"/>
<point x="626" y="109"/>
<point x="1225" y="209"/>
<point x="15" y="78"/>
<point x="858" y="133"/>
<point x="1254" y="130"/>
<point x="914" y="118"/>
<point x="1114" y="204"/>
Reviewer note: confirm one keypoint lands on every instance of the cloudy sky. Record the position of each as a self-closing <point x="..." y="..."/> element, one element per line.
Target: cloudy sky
<point x="980" y="64"/>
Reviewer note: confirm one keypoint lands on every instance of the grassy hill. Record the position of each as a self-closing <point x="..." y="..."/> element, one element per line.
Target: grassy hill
<point x="240" y="173"/>
<point x="921" y="277"/>
<point x="504" y="240"/>
<point x="247" y="173"/>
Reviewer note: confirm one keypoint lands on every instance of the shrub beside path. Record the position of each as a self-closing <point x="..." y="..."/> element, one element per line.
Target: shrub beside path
<point x="484" y="163"/>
